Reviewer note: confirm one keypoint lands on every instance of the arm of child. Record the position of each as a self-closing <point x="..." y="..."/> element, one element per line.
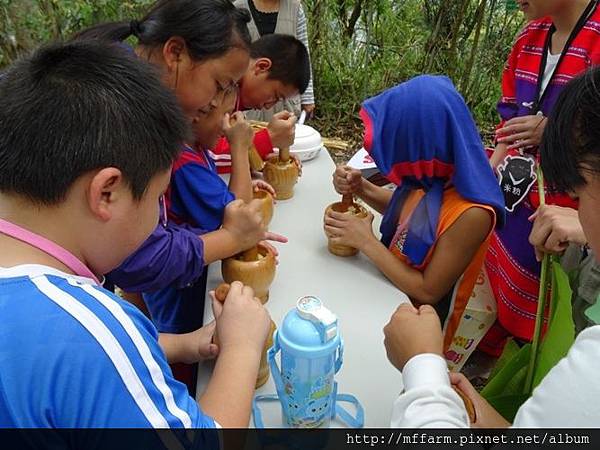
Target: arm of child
<point x="375" y="196"/>
<point x="189" y="348"/>
<point x="242" y="228"/>
<point x="453" y="252"/>
<point x="242" y="325"/>
<point x="172" y="255"/>
<point x="281" y="129"/>
<point x="485" y="415"/>
<point x="413" y="342"/>
<point x="239" y="134"/>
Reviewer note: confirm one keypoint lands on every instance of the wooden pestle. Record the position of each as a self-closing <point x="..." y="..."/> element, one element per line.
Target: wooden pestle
<point x="256" y="162"/>
<point x="347" y="202"/>
<point x="468" y="404"/>
<point x="284" y="154"/>
<point x="220" y="294"/>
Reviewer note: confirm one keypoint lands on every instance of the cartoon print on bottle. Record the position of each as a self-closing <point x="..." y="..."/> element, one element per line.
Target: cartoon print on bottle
<point x="307" y="404"/>
<point x="517" y="175"/>
<point x="321" y="388"/>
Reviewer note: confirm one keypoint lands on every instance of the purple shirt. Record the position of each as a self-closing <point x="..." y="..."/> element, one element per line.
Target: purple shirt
<point x="173" y="255"/>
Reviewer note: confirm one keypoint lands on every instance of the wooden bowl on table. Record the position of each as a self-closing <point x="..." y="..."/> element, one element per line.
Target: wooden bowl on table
<point x="267" y="204"/>
<point x="254" y="268"/>
<point x="346" y="206"/>
<point x="281" y="172"/>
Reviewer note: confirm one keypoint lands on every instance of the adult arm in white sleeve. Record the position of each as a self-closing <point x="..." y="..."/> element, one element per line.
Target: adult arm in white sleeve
<point x="569" y="396"/>
<point x="428" y="400"/>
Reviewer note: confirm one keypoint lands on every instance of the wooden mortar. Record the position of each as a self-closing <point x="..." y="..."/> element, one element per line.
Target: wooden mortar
<point x="263" y="370"/>
<point x="281" y="172"/>
<point x="346" y="206"/>
<point x="254" y="267"/>
<point x="267" y="205"/>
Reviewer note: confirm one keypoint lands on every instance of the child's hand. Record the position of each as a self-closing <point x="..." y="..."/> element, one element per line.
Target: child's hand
<point x="485" y="415"/>
<point x="348" y="229"/>
<point x="269" y="236"/>
<point x="190" y="348"/>
<point x="411" y="332"/>
<point x="347" y="180"/>
<point x="258" y="185"/>
<point x="242" y="321"/>
<point x="238" y="132"/>
<point x="272" y="249"/>
<point x="198" y="344"/>
<point x="245" y="222"/>
<point x="281" y="129"/>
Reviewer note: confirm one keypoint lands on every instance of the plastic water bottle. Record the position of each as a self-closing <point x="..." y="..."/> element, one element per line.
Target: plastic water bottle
<point x="311" y="354"/>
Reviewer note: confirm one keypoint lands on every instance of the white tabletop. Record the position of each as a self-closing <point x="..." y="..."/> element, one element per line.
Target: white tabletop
<point x="353" y="288"/>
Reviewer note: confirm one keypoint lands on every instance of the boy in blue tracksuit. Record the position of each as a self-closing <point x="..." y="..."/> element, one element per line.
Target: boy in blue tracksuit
<point x="75" y="169"/>
<point x="198" y="197"/>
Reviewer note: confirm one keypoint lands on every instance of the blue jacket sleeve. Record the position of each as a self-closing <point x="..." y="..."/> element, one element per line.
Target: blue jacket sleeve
<point x="199" y="196"/>
<point x="171" y="256"/>
<point x="123" y="379"/>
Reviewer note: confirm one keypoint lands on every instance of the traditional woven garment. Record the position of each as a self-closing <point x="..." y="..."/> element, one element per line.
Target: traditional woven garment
<point x="511" y="264"/>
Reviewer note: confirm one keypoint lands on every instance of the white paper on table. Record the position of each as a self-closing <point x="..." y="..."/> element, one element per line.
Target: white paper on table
<point x="365" y="163"/>
<point x="362" y="160"/>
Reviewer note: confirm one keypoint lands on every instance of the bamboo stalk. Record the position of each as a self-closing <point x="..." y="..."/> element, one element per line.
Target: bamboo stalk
<point x="542" y="297"/>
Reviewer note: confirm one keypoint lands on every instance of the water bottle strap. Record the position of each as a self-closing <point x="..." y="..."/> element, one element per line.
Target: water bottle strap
<point x="256" y="412"/>
<point x="273" y="364"/>
<point x="353" y="422"/>
<point x="340" y="357"/>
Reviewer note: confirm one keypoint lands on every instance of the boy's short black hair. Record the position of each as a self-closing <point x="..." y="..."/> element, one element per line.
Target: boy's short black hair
<point x="572" y="134"/>
<point x="290" y="62"/>
<point x="72" y="108"/>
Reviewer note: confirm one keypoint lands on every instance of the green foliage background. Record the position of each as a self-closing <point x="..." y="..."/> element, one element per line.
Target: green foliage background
<point x="359" y="47"/>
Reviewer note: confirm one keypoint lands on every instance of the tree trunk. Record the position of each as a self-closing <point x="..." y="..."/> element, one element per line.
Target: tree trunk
<point x="475" y="46"/>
